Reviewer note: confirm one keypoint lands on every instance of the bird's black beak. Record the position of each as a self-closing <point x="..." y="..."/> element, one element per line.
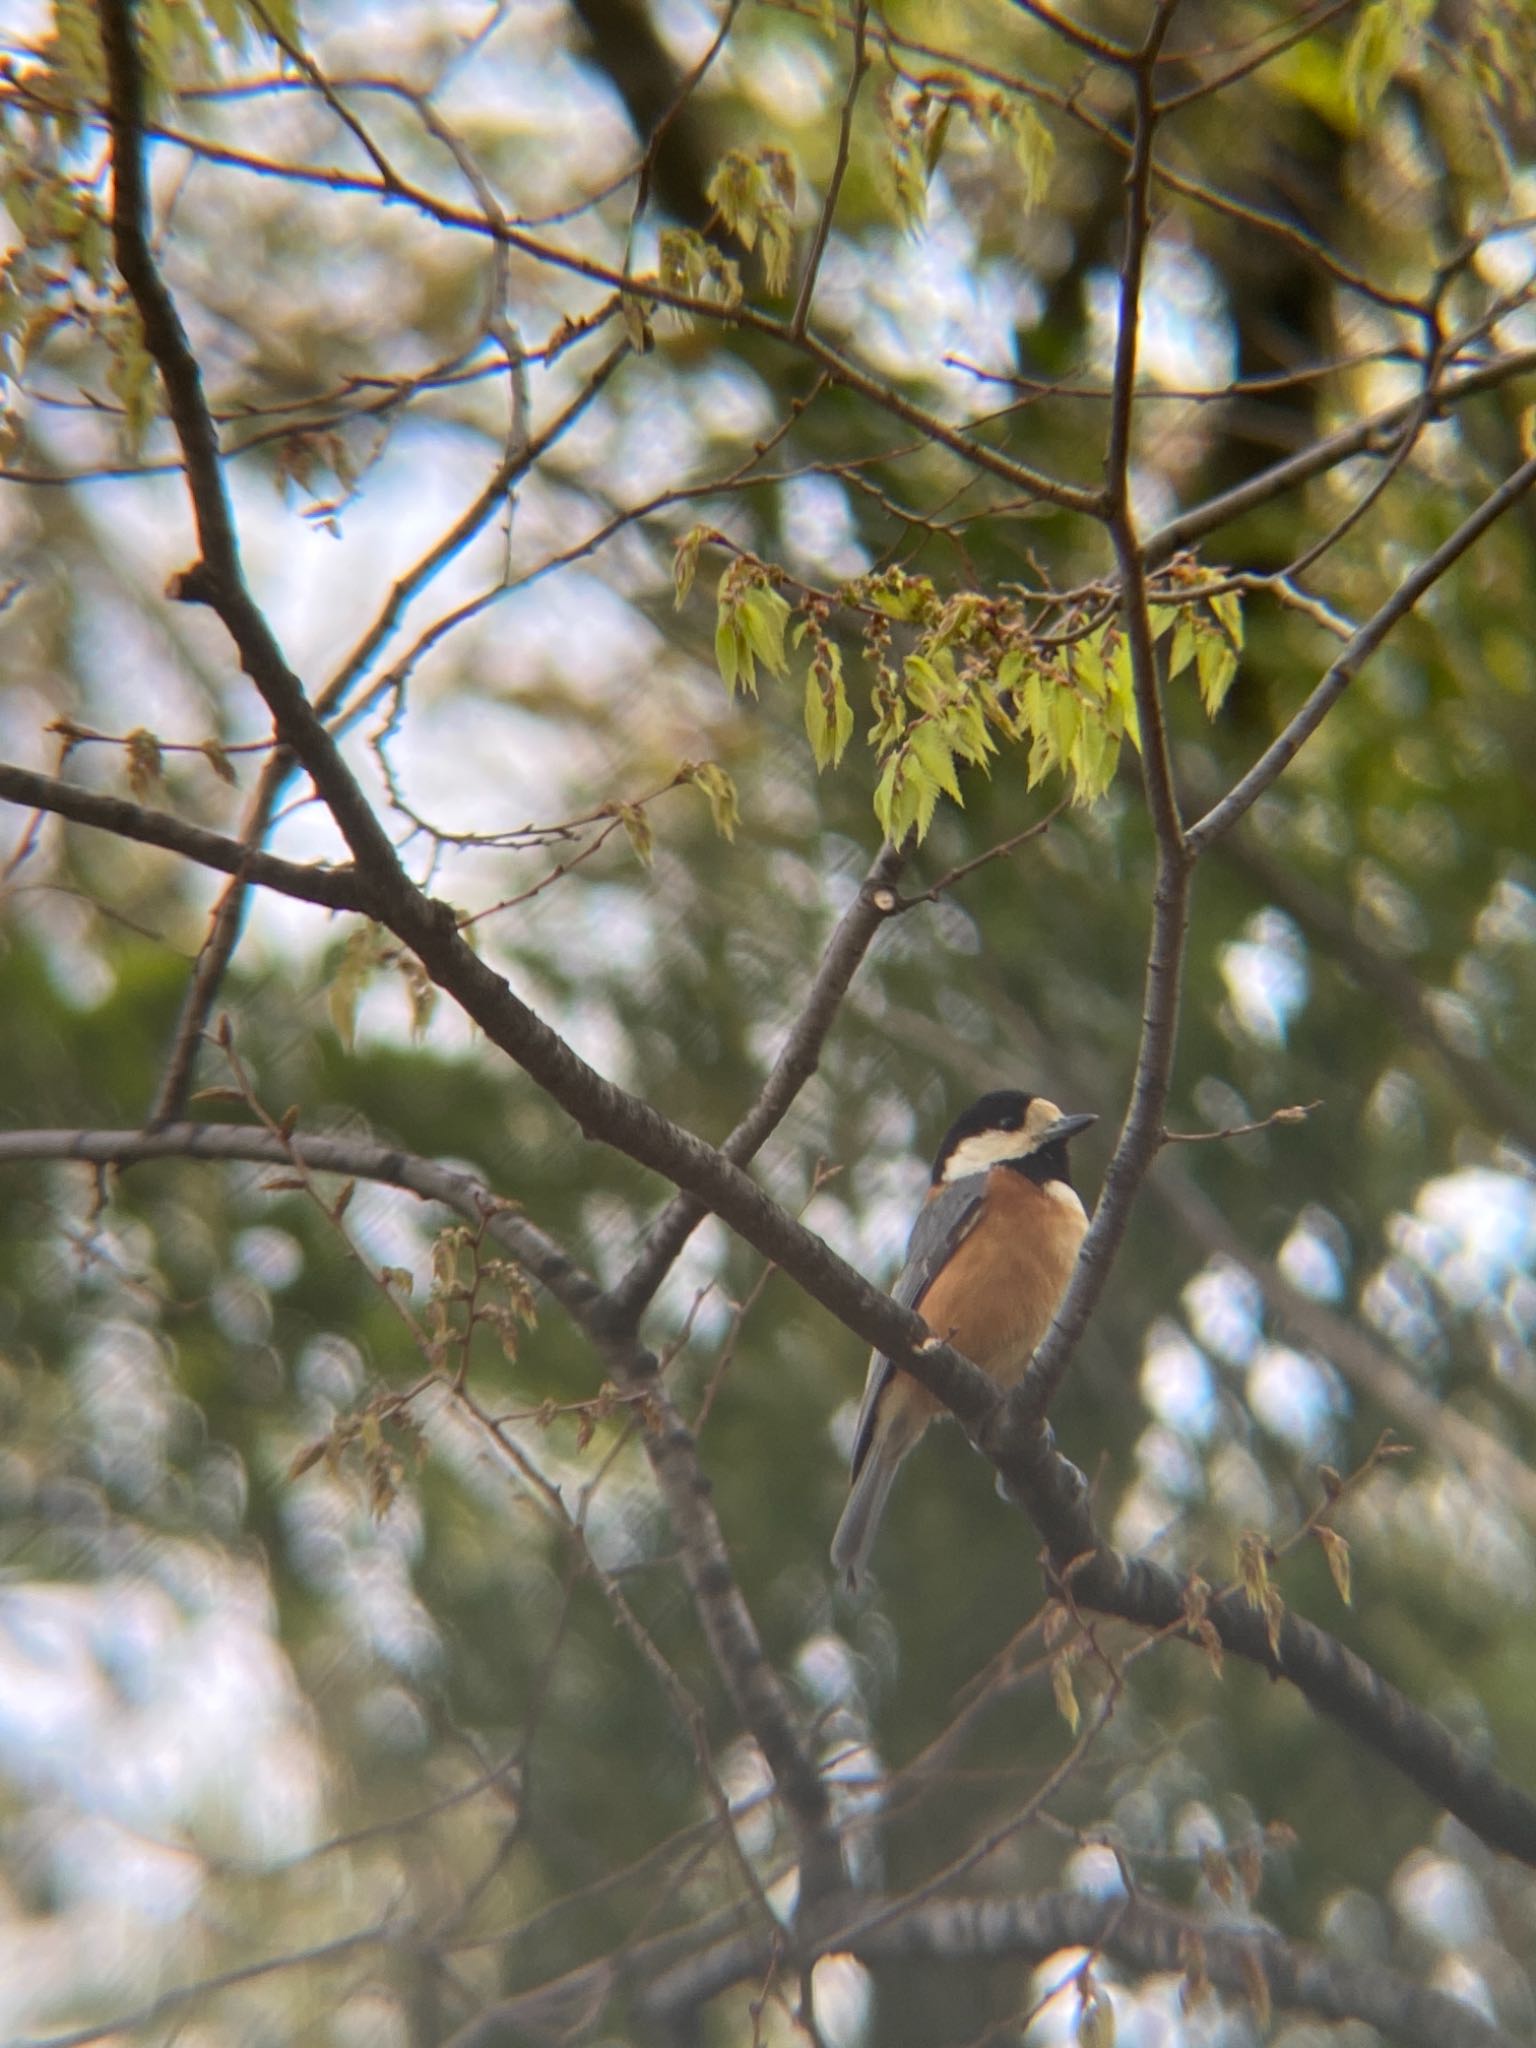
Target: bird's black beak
<point x="1065" y="1127"/>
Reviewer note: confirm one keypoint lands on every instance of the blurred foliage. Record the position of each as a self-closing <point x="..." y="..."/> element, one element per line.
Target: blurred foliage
<point x="211" y="1665"/>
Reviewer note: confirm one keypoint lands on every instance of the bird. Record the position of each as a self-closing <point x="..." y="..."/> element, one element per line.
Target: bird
<point x="987" y="1264"/>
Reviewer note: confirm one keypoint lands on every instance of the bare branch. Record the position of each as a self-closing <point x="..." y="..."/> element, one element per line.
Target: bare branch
<point x="1138" y="1933"/>
<point x="797" y="1061"/>
<point x="1295" y="1113"/>
<point x="1371" y="435"/>
<point x="1141" y="1133"/>
<point x="331" y="888"/>
<point x="1332" y="1678"/>
<point x="1282" y="751"/>
<point x="857" y="68"/>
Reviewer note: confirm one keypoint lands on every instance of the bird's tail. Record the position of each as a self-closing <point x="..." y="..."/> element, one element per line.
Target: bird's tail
<point x="861" y="1516"/>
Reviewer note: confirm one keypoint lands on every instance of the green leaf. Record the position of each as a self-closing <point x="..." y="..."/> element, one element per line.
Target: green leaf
<point x="1228" y="609"/>
<point x="718" y="787"/>
<point x="828" y="714"/>
<point x="1376" y="48"/>
<point x="1182" y="653"/>
<point x="1088" y="665"/>
<point x="1216" y="665"/>
<point x="1064" y="719"/>
<point x="818" y="722"/>
<point x="727" y="651"/>
<point x="1064" y="1692"/>
<point x="1033" y="146"/>
<point x="764" y="615"/>
<point x="934" y="755"/>
<point x="637" y="827"/>
<point x="1009" y="670"/>
<point x="925" y="686"/>
<point x="685" y="563"/>
<point x="358" y="958"/>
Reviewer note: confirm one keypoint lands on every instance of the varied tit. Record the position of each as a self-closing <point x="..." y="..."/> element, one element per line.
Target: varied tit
<point x="988" y="1261"/>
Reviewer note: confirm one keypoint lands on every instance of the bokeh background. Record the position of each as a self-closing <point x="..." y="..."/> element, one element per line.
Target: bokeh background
<point x="246" y="1715"/>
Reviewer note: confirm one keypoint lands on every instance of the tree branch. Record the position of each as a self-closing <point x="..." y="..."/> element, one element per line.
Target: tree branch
<point x="1138" y="1933"/>
<point x="342" y="888"/>
<point x="1283" y="750"/>
<point x="1142" y="1132"/>
<point x="1335" y="1681"/>
<point x="797" y="1061"/>
<point x="1366" y="436"/>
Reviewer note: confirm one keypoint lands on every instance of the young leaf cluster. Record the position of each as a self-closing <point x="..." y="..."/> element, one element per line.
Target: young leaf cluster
<point x="918" y="124"/>
<point x="753" y="192"/>
<point x="955" y="679"/>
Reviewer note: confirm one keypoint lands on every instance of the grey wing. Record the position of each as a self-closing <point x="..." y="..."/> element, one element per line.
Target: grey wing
<point x="940" y="1226"/>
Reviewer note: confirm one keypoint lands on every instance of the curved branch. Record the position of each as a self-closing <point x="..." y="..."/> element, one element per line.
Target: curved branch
<point x="797" y="1061"/>
<point x="1141" y="1135"/>
<point x="1367" y="436"/>
<point x="332" y="888"/>
<point x="1137" y="1933"/>
<point x="1330" y="1677"/>
<point x="1335" y="1681"/>
<point x="1278" y="756"/>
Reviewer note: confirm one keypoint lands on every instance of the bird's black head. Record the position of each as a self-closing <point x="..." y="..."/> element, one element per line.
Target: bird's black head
<point x="1009" y="1128"/>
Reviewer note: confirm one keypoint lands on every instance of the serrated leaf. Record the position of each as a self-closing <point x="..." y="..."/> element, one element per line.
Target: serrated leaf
<point x="421" y="993"/>
<point x="727" y="656"/>
<point x="1374" y="52"/>
<point x="145" y="761"/>
<point x="685" y="563"/>
<point x="1042" y="759"/>
<point x="1227" y="607"/>
<point x="358" y="958"/>
<point x="218" y="760"/>
<point x="764" y="616"/>
<point x="1034" y="151"/>
<point x="778" y="247"/>
<point x="720" y="790"/>
<point x="637" y="829"/>
<point x="818" y="722"/>
<point x="933" y="752"/>
<point x="1088" y="665"/>
<point x="925" y="686"/>
<point x="1096" y="2020"/>
<point x="1182" y="652"/>
<point x="637" y="323"/>
<point x="1087" y="761"/>
<point x="1336" y="1551"/>
<point x="1216" y="666"/>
